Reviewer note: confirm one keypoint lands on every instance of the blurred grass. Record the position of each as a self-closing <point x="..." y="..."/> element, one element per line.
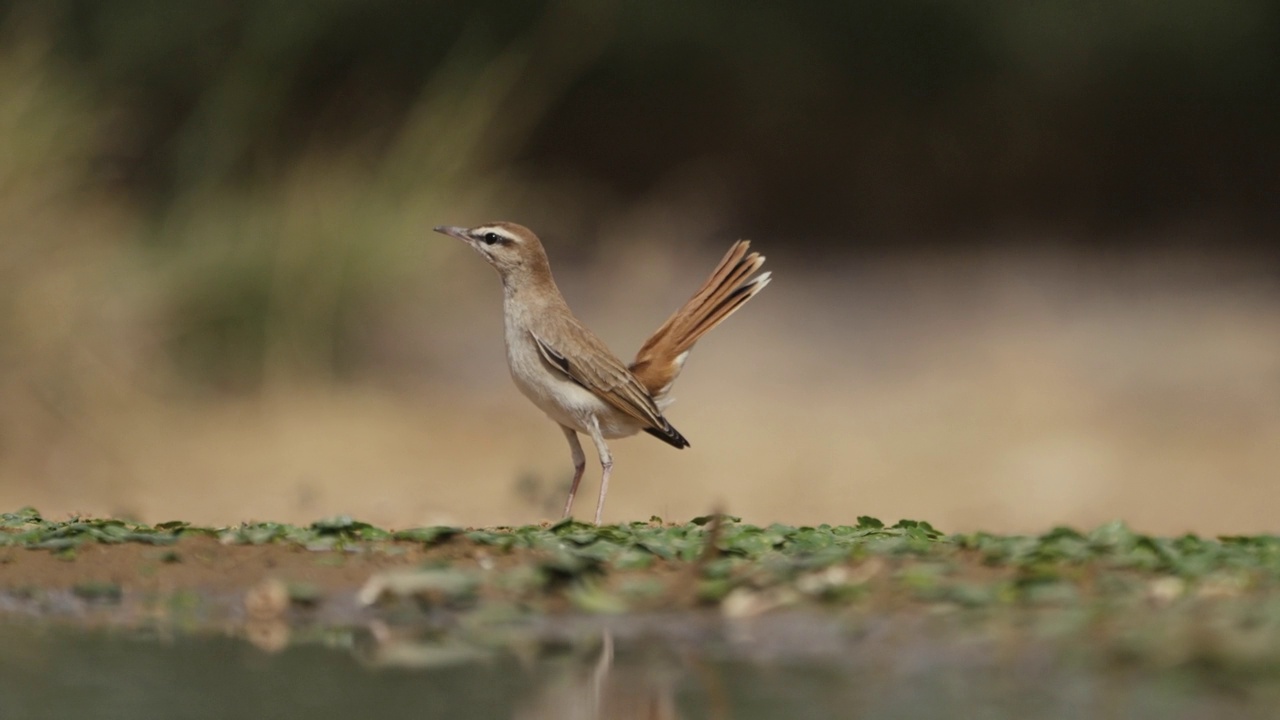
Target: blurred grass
<point x="110" y="306"/>
<point x="284" y="273"/>
<point x="262" y="278"/>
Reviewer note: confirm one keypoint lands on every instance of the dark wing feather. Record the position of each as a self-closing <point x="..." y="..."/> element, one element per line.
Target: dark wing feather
<point x="611" y="381"/>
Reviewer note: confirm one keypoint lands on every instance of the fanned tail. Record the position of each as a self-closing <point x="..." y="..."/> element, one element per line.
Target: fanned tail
<point x="730" y="286"/>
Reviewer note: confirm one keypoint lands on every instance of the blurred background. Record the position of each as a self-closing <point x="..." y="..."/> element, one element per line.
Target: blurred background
<point x="1023" y="258"/>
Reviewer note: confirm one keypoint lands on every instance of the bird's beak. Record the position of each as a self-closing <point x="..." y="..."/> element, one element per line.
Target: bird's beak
<point x="457" y="232"/>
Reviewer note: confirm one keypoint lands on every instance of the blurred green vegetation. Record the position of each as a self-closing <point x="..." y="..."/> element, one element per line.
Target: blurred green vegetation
<point x="883" y="116"/>
<point x="246" y="182"/>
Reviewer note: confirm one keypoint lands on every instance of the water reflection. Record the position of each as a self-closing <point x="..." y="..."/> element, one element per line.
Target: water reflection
<point x="568" y="679"/>
<point x="601" y="689"/>
<point x="570" y="670"/>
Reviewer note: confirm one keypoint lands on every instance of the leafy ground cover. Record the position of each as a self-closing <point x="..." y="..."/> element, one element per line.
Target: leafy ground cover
<point x="896" y="620"/>
<point x="1171" y="599"/>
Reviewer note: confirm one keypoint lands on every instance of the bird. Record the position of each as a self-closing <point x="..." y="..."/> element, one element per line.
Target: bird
<point x="569" y="373"/>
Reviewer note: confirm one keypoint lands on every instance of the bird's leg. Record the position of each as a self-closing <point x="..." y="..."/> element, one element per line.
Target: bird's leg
<point x="606" y="465"/>
<point x="579" y="464"/>
<point x="601" y="673"/>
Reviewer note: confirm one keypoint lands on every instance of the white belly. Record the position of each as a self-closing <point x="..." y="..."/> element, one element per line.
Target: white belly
<point x="563" y="400"/>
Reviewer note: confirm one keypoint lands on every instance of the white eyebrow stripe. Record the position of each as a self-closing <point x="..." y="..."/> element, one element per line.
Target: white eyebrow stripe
<point x="485" y="229"/>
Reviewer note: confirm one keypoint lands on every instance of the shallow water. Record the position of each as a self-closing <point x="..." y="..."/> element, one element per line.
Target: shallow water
<point x="774" y="667"/>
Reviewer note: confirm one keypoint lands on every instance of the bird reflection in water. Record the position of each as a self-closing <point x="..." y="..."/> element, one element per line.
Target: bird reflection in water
<point x="577" y="680"/>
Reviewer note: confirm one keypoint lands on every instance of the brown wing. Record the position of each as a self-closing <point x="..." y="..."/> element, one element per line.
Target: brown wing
<point x="603" y="374"/>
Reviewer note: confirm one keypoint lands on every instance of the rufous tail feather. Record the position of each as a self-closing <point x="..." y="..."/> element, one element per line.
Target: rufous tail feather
<point x="730" y="286"/>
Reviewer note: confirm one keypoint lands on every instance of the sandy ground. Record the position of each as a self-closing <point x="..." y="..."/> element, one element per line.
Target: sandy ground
<point x="198" y="564"/>
<point x="1010" y="391"/>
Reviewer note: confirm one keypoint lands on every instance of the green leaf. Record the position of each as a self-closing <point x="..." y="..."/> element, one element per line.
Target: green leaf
<point x="704" y="519"/>
<point x="25" y="516"/>
<point x="634" y="559"/>
<point x="427" y="535"/>
<point x="565" y="565"/>
<point x="566" y="523"/>
<point x="866" y="522"/>
<point x="661" y="549"/>
<point x="340" y="525"/>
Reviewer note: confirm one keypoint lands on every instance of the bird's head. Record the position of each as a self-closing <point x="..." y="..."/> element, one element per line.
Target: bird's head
<point x="513" y="250"/>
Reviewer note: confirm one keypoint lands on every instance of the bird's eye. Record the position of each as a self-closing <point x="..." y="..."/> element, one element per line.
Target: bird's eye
<point x="491" y="238"/>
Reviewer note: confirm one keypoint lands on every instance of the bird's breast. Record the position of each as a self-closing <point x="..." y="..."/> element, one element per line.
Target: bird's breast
<point x="559" y="396"/>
